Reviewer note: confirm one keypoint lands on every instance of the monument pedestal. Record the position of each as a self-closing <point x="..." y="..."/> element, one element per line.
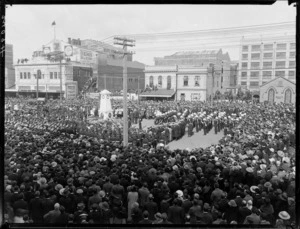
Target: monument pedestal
<point x="105" y="111"/>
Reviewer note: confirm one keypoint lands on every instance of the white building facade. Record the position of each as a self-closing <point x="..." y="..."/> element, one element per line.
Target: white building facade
<point x="264" y="59"/>
<point x="189" y="83"/>
<point x="73" y="59"/>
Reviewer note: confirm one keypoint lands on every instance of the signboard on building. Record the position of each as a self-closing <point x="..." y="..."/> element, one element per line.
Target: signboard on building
<point x="71" y="90"/>
<point x="93" y="95"/>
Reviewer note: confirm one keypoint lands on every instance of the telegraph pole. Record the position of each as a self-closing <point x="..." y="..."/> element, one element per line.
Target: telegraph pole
<point x="124" y="42"/>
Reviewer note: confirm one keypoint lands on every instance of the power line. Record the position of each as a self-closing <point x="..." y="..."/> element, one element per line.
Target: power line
<point x="213" y="30"/>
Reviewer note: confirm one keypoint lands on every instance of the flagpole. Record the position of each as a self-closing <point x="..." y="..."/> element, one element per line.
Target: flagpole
<point x="54" y="32"/>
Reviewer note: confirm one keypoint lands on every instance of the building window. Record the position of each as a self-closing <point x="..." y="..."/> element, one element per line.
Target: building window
<point x="55" y="75"/>
<point x="245" y="48"/>
<point x="21" y="75"/>
<point x="25" y="76"/>
<point x="280" y="55"/>
<point x="244" y="83"/>
<point x="136" y="80"/>
<point x="291" y="75"/>
<point x="244" y="74"/>
<point x="197" y="81"/>
<point x="51" y="75"/>
<point x="255" y="48"/>
<point x="280" y="64"/>
<point x="245" y="56"/>
<point x="254" y="74"/>
<point x="292" y="54"/>
<point x="182" y="96"/>
<point x="34" y="75"/>
<point x="267" y="74"/>
<point x="255" y="65"/>
<point x="244" y="65"/>
<point x="268" y="55"/>
<point x="268" y="46"/>
<point x="292" y="45"/>
<point x="195" y="96"/>
<point x="28" y="75"/>
<point x="281" y="46"/>
<point x="160" y="81"/>
<point x="169" y="82"/>
<point x="185" y="81"/>
<point x="267" y="65"/>
<point x="279" y="73"/>
<point x="151" y="81"/>
<point x="255" y="56"/>
<point x="43" y="76"/>
<point x="292" y="64"/>
<point x="254" y="83"/>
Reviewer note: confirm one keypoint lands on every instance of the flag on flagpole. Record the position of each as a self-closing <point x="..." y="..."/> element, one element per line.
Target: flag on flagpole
<point x="53" y="23"/>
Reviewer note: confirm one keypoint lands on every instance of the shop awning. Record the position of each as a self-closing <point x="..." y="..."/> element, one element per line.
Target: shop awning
<point x="160" y="93"/>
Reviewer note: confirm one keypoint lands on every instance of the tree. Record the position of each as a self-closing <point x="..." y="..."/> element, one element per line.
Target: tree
<point x="240" y="94"/>
<point x="248" y="95"/>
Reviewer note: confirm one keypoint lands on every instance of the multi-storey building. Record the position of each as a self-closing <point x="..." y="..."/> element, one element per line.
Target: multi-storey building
<point x="75" y="69"/>
<point x="190" y="83"/>
<point x="262" y="60"/>
<point x="109" y="66"/>
<point x="219" y="61"/>
<point x="9" y="67"/>
<point x="190" y="75"/>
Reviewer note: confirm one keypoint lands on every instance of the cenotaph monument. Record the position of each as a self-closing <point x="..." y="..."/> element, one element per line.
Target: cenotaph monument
<point x="105" y="111"/>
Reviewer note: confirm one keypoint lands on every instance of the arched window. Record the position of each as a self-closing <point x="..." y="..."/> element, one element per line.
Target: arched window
<point x="159" y="81"/>
<point x="271" y="95"/>
<point x="288" y="96"/>
<point x="169" y="82"/>
<point x="151" y="81"/>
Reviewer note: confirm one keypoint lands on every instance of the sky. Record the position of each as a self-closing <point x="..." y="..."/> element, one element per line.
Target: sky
<point x="28" y="27"/>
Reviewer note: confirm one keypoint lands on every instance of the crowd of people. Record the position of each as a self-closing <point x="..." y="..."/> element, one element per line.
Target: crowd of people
<point x="57" y="172"/>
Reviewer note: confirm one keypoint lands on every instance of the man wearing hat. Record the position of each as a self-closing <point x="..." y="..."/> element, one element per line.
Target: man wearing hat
<point x="36" y="208"/>
<point x="151" y="207"/>
<point x="176" y="213"/>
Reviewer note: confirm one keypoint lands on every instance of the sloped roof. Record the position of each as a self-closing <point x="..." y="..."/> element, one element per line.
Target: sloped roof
<point x="158" y="93"/>
<point x="280" y="77"/>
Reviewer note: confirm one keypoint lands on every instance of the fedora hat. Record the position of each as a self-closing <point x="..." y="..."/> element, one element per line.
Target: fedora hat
<point x="249" y="169"/>
<point x="158" y="216"/>
<point x="268" y="185"/>
<point x="232" y="203"/>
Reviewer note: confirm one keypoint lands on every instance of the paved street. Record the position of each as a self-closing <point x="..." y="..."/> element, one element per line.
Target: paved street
<point x="195" y="141"/>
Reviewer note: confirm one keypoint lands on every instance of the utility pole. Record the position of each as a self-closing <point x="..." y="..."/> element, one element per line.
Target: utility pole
<point x="124" y="42"/>
<point x="60" y="86"/>
<point x="38" y="74"/>
<point x="139" y="90"/>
